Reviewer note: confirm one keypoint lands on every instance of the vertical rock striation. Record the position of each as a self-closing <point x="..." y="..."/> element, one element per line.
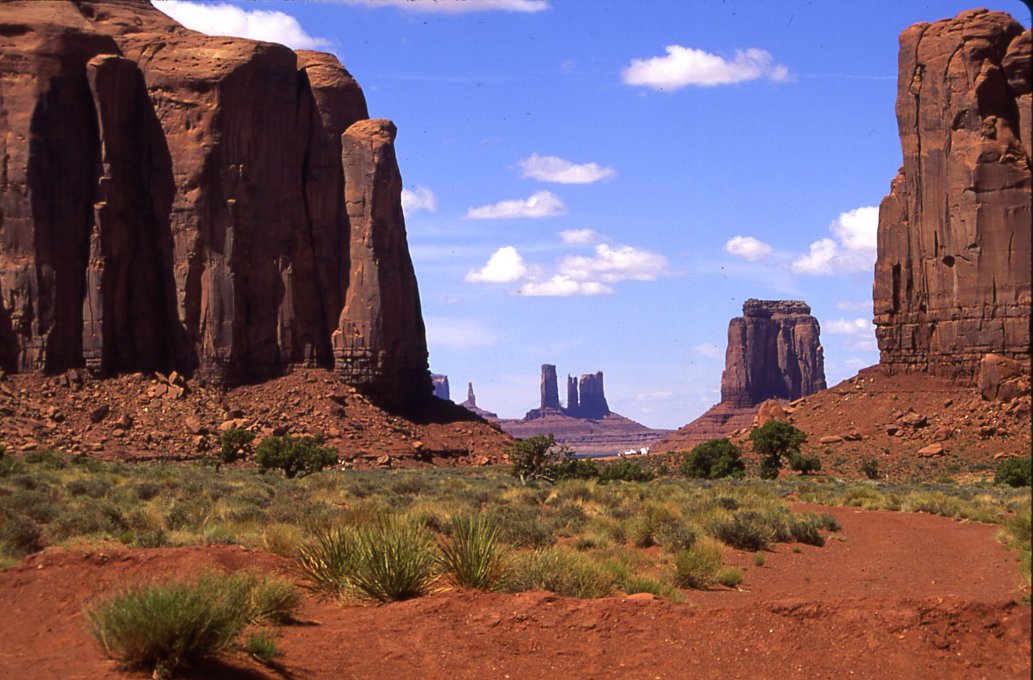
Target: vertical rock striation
<point x="591" y="397"/>
<point x="218" y="206"/>
<point x="774" y="352"/>
<point x="952" y="280"/>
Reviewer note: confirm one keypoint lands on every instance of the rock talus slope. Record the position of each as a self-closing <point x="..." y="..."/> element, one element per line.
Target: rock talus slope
<point x="952" y="280"/>
<point x="173" y="200"/>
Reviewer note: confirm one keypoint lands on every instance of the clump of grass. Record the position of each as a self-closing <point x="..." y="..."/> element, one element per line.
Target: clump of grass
<point x="745" y="530"/>
<point x="166" y="626"/>
<point x="272" y="599"/>
<point x="328" y="560"/>
<point x="730" y="577"/>
<point x="698" y="566"/>
<point x="473" y="556"/>
<point x="805" y="530"/>
<point x="262" y="648"/>
<point x="759" y="560"/>
<point x="394" y="560"/>
<point x="562" y="572"/>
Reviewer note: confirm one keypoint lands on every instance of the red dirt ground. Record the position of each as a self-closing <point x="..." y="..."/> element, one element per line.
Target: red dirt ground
<point x="904" y="596"/>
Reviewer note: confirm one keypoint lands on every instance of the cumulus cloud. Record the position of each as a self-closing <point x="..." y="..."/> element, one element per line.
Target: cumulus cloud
<point x="561" y="171"/>
<point x="258" y="24"/>
<point x="458" y="6"/>
<point x="684" y="66"/>
<point x="747" y="247"/>
<point x="561" y="285"/>
<point x="579" y="237"/>
<point x="572" y="274"/>
<point x="851" y="250"/>
<point x="541" y="204"/>
<point x="849" y="327"/>
<point x="419" y="198"/>
<point x="504" y="266"/>
<point x="612" y="264"/>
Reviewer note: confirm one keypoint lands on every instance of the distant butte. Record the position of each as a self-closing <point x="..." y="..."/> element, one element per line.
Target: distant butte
<point x="586" y="424"/>
<point x="774" y="352"/>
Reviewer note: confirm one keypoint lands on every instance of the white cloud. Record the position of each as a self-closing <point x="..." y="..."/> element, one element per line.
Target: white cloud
<point x="561" y="171"/>
<point x="709" y="351"/>
<point x="419" y="198"/>
<point x="458" y="6"/>
<point x="579" y="237"/>
<point x="613" y="264"/>
<point x="541" y="204"/>
<point x="573" y="274"/>
<point x="561" y="285"/>
<point x="854" y="305"/>
<point x="258" y="24"/>
<point x="850" y="327"/>
<point x="458" y="333"/>
<point x="747" y="247"/>
<point x="852" y="250"/>
<point x="504" y="266"/>
<point x="685" y="66"/>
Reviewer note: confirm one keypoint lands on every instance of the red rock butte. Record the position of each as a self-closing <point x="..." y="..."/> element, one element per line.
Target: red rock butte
<point x="952" y="280"/>
<point x="217" y="206"/>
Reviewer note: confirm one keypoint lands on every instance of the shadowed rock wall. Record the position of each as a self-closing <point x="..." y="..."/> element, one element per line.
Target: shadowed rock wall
<point x="952" y="281"/>
<point x="172" y="200"/>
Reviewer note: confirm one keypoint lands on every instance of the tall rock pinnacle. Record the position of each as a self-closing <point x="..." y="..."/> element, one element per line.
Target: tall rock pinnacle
<point x="952" y="280"/>
<point x="549" y="387"/>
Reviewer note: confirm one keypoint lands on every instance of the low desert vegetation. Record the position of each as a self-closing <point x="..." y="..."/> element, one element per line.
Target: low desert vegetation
<point x="162" y="627"/>
<point x="382" y="535"/>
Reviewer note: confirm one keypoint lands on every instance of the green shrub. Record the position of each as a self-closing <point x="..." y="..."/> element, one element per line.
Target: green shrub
<point x="525" y="527"/>
<point x="805" y="465"/>
<point x="531" y="458"/>
<point x="644" y="527"/>
<point x="745" y="530"/>
<point x="729" y="577"/>
<point x="328" y="560"/>
<point x="869" y="467"/>
<point x="296" y="456"/>
<point x="698" y="566"/>
<point x="774" y="440"/>
<point x="1014" y="472"/>
<point x="759" y="560"/>
<point x="639" y="584"/>
<point x="624" y="471"/>
<point x="394" y="560"/>
<point x="54" y="460"/>
<point x="573" y="468"/>
<point x="94" y="487"/>
<point x="805" y="530"/>
<point x="235" y="443"/>
<point x="19" y="534"/>
<point x="473" y="556"/>
<point x="262" y="648"/>
<point x="273" y="599"/>
<point x="562" y="572"/>
<point x="714" y="459"/>
<point x="675" y="535"/>
<point x="169" y="625"/>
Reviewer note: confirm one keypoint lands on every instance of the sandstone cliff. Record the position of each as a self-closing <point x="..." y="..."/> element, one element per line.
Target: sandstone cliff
<point x="952" y="281"/>
<point x="774" y="352"/>
<point x="172" y="200"/>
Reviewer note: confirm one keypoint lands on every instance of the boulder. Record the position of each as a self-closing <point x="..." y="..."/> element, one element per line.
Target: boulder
<point x="1003" y="379"/>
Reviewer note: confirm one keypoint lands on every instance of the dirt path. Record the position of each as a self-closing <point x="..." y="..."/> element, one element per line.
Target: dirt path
<point x="905" y="596"/>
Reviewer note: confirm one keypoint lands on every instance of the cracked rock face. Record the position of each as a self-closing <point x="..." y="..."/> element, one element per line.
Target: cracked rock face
<point x="774" y="352"/>
<point x="952" y="280"/>
<point x="172" y="200"/>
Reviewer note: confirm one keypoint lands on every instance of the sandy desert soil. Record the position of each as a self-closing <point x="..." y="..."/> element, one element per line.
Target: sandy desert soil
<point x="904" y="596"/>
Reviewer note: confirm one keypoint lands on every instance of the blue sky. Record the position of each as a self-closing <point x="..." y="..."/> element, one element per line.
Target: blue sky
<point x="600" y="184"/>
